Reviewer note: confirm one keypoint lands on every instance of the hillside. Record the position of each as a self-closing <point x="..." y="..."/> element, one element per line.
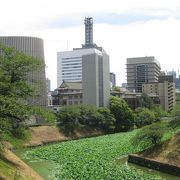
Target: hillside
<point x="168" y="152"/>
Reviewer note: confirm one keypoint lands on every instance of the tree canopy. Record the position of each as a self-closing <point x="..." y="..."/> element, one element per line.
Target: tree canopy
<point x="16" y="88"/>
<point x="122" y="113"/>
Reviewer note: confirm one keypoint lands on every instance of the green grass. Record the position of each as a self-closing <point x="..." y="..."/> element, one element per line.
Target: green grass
<point x="7" y="170"/>
<point x="91" y="158"/>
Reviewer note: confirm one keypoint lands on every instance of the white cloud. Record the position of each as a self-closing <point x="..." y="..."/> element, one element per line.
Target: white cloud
<point x="158" y="36"/>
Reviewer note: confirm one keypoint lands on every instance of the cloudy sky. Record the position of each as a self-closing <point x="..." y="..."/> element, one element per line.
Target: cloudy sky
<point x="124" y="28"/>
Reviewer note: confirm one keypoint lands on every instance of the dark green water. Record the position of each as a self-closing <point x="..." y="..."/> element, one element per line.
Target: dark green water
<point x="164" y="176"/>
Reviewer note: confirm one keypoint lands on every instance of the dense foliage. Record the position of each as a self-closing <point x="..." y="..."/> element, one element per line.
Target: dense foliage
<point x="144" y="116"/>
<point x="122" y="113"/>
<point x="91" y="158"/>
<point x="15" y="90"/>
<point x="73" y="117"/>
<point x="150" y="135"/>
<point x="145" y="101"/>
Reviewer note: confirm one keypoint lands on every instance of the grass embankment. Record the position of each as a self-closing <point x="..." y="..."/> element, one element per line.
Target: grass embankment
<point x="167" y="152"/>
<point x="12" y="168"/>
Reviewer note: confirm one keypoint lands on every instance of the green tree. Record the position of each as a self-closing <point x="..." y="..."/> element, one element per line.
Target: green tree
<point x="150" y="135"/>
<point x="158" y="112"/>
<point x="145" y="101"/>
<point x="107" y="121"/>
<point x="68" y="118"/>
<point x="122" y="113"/>
<point x="143" y="116"/>
<point x="15" y="89"/>
<point x="90" y="116"/>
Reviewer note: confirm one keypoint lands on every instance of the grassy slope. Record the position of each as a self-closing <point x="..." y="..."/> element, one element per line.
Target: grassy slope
<point x="12" y="167"/>
<point x="168" y="152"/>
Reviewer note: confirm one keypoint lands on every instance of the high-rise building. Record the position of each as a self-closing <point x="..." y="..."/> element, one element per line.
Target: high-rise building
<point x="31" y="46"/>
<point x="95" y="79"/>
<point x="112" y="79"/>
<point x="69" y="64"/>
<point x="89" y="64"/>
<point x="141" y="70"/>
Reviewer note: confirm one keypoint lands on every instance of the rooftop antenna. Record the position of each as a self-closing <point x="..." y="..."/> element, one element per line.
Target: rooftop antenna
<point x="88" y="21"/>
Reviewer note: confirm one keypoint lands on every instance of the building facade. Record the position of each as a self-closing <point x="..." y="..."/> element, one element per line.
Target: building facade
<point x="112" y="80"/>
<point x="68" y="93"/>
<point x="95" y="79"/>
<point x="165" y="89"/>
<point x="89" y="65"/>
<point x="141" y="70"/>
<point x="69" y="64"/>
<point x="34" y="47"/>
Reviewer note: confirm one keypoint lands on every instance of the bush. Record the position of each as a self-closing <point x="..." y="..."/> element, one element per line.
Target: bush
<point x="158" y="112"/>
<point x="72" y="117"/>
<point x="107" y="121"/>
<point x="150" y="135"/>
<point x="175" y="123"/>
<point x="68" y="118"/>
<point x="143" y="116"/>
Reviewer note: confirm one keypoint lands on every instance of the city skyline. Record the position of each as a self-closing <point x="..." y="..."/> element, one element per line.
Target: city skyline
<point x="125" y="29"/>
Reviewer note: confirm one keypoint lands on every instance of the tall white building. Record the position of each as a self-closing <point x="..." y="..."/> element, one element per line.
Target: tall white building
<point x="69" y="64"/>
<point x="89" y="64"/>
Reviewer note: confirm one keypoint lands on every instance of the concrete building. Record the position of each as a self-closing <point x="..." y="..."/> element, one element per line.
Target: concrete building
<point x="165" y="89"/>
<point x="141" y="70"/>
<point x="69" y="64"/>
<point x="177" y="82"/>
<point x="133" y="98"/>
<point x="112" y="79"/>
<point x="68" y="93"/>
<point x="48" y="85"/>
<point x="31" y="46"/>
<point x="89" y="64"/>
<point x="95" y="79"/>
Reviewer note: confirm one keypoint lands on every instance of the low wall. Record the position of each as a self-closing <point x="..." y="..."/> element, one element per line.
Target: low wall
<point x="166" y="168"/>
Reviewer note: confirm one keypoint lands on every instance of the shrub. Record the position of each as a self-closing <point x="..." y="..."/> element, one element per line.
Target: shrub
<point x="143" y="116"/>
<point x="150" y="135"/>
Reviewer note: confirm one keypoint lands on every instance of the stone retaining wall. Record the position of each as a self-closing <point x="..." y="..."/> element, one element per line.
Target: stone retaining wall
<point x="167" y="168"/>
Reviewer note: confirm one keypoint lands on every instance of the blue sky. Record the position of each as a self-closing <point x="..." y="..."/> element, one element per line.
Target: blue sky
<point x="124" y="28"/>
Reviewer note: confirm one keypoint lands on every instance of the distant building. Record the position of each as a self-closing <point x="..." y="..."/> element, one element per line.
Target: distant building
<point x="177" y="82"/>
<point x="172" y="73"/>
<point x="141" y="70"/>
<point x="48" y="84"/>
<point x="133" y="98"/>
<point x="34" y="47"/>
<point x="89" y="65"/>
<point x="124" y="85"/>
<point x="68" y="93"/>
<point x="69" y="64"/>
<point x="95" y="79"/>
<point x="165" y="89"/>
<point x="112" y="79"/>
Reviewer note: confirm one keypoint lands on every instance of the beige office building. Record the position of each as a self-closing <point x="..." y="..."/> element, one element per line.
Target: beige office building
<point x="165" y="88"/>
<point x="141" y="70"/>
